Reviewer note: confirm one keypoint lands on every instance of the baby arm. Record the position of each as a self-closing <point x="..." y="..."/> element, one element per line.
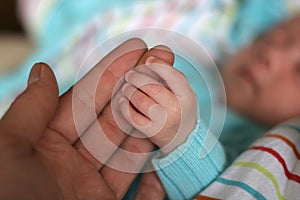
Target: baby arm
<point x="163" y="106"/>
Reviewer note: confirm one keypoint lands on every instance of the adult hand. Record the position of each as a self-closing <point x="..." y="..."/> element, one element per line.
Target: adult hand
<point x="117" y="177"/>
<point x="38" y="158"/>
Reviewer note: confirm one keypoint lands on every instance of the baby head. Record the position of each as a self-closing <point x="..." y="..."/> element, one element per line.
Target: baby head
<point x="262" y="81"/>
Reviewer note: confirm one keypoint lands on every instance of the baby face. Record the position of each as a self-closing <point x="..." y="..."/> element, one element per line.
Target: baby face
<point x="262" y="81"/>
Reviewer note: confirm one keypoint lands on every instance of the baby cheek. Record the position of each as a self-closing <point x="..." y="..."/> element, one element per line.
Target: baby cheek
<point x="278" y="103"/>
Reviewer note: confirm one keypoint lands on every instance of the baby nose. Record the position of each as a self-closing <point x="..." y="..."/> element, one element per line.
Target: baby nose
<point x="280" y="59"/>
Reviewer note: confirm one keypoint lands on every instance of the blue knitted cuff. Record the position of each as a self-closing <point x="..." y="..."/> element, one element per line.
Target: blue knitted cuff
<point x="185" y="171"/>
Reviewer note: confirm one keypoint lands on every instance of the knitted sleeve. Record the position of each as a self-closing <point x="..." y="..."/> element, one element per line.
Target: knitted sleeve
<point x="193" y="165"/>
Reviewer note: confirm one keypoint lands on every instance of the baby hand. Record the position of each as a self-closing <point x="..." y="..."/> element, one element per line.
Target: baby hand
<point x="165" y="112"/>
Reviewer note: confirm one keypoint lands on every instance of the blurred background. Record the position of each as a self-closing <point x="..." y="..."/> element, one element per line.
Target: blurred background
<point x="14" y="45"/>
<point x="63" y="33"/>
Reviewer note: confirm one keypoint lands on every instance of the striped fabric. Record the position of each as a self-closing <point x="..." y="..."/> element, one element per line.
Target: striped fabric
<point x="269" y="169"/>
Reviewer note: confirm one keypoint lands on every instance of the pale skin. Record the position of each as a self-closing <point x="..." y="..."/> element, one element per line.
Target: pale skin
<point x="40" y="154"/>
<point x="159" y="110"/>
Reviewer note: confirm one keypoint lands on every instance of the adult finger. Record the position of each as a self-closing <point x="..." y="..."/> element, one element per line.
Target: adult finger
<point x="31" y="112"/>
<point x="100" y="141"/>
<point x="150" y="188"/>
<point x="131" y="156"/>
<point x="83" y="102"/>
<point x="161" y="52"/>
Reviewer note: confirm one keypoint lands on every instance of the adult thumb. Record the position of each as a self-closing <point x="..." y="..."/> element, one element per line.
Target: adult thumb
<point x="32" y="110"/>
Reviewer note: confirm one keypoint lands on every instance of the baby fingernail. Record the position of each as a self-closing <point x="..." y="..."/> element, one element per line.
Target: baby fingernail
<point x="128" y="74"/>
